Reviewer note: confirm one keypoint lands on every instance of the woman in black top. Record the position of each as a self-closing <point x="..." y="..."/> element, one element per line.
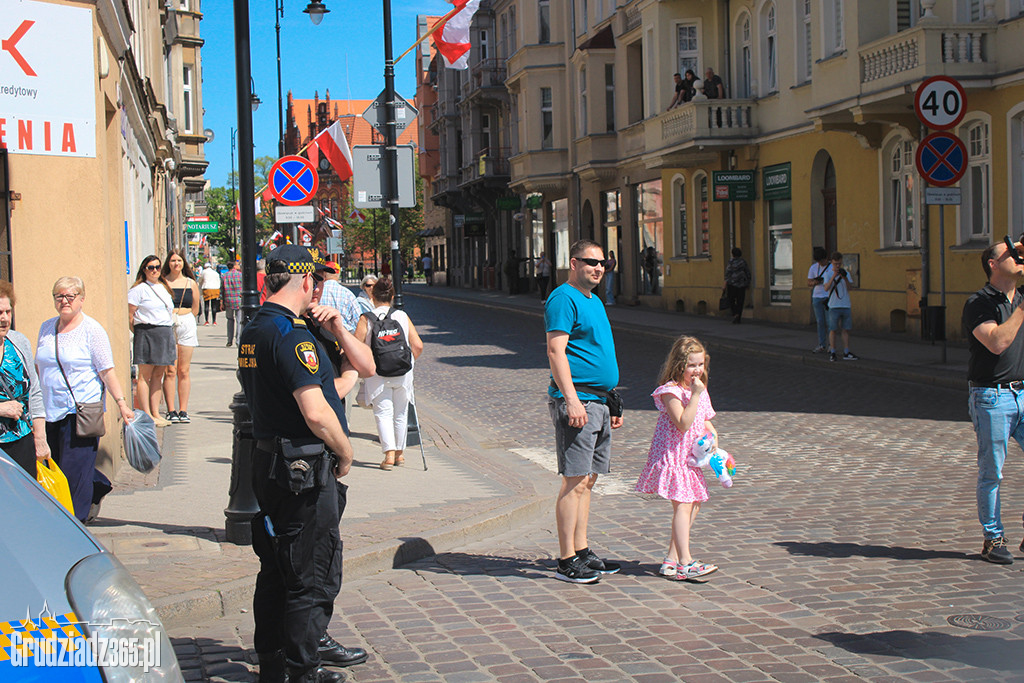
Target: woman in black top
<point x="187" y="303"/>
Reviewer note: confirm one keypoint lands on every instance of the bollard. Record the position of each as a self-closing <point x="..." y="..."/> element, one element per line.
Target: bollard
<point x="242" y="505"/>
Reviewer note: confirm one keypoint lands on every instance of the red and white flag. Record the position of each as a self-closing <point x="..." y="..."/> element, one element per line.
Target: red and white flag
<point x="256" y="206"/>
<point x="356" y="215"/>
<point x="452" y="38"/>
<point x="332" y="144"/>
<point x="305" y="237"/>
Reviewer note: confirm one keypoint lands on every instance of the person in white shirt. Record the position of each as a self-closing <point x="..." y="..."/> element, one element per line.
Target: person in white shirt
<point x="837" y="284"/>
<point x="154" y="347"/>
<point x="819" y="296"/>
<point x="209" y="282"/>
<point x="76" y="372"/>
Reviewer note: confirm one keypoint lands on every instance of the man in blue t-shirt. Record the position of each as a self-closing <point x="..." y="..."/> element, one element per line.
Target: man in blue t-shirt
<point x="581" y="352"/>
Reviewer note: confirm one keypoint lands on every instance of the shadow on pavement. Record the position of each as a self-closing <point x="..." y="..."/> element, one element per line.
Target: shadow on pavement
<point x="829" y="549"/>
<point x="197" y="531"/>
<point x="983" y="652"/>
<point x="465" y="564"/>
<point x="204" y="658"/>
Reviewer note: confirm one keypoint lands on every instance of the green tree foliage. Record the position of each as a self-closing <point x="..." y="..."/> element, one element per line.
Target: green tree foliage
<point x="221" y="209"/>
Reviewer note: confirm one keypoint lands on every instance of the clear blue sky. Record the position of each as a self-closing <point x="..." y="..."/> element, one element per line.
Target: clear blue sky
<point x="345" y="54"/>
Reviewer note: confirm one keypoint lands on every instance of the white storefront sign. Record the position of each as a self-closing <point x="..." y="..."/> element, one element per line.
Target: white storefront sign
<point x="47" y="79"/>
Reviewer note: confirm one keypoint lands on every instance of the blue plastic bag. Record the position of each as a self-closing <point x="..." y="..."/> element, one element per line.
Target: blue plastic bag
<point x="140" y="443"/>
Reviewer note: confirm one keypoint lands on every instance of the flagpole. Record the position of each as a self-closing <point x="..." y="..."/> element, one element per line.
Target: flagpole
<point x="440" y="22"/>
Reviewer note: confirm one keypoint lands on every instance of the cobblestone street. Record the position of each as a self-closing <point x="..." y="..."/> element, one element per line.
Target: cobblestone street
<point x="848" y="547"/>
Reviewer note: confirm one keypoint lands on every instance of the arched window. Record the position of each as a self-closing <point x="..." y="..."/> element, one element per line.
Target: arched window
<point x="976" y="203"/>
<point x="769" y="50"/>
<point x="703" y="203"/>
<point x="680" y="232"/>
<point x="743" y="73"/>
<point x="901" y="194"/>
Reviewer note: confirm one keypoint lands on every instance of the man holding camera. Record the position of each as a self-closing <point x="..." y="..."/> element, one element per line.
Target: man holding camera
<point x="837" y="284"/>
<point x="992" y="321"/>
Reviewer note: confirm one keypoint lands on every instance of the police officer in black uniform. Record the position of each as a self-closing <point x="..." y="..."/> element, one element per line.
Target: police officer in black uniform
<point x="301" y="452"/>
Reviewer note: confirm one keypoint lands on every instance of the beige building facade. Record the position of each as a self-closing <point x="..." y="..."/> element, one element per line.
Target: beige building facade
<point x="110" y="187"/>
<point x="814" y="144"/>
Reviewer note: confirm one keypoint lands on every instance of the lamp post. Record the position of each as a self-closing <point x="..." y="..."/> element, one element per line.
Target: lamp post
<point x="391" y="156"/>
<point x="278" y="13"/>
<point x="234" y="199"/>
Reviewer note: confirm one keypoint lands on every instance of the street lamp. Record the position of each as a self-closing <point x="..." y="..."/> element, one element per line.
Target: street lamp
<point x="234" y="200"/>
<point x="254" y="99"/>
<point x="278" y="13"/>
<point x="316" y="11"/>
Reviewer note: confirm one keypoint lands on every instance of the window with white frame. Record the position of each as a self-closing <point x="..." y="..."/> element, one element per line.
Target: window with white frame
<point x="183" y="5"/>
<point x="484" y="44"/>
<point x="584" y="13"/>
<point x="901" y="195"/>
<point x="832" y="16"/>
<point x="907" y="14"/>
<point x="583" y="101"/>
<point x="975" y="207"/>
<point x="544" y="21"/>
<point x="743" y="65"/>
<point x="803" y="32"/>
<point x="680" y="233"/>
<point x="547" y="135"/>
<point x="700" y="182"/>
<point x="970" y="10"/>
<point x="688" y="48"/>
<point x="186" y="91"/>
<point x="769" y="60"/>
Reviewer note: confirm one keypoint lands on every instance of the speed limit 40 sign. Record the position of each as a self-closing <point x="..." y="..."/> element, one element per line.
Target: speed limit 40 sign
<point x="940" y="102"/>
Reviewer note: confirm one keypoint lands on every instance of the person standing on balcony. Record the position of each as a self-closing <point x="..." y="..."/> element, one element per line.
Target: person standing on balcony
<point x="714" y="89"/>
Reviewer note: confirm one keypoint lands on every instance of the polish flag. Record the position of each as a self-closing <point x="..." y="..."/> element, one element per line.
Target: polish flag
<point x="305" y="237"/>
<point x="332" y="144"/>
<point x="256" y="207"/>
<point x="452" y="38"/>
<point x="356" y="215"/>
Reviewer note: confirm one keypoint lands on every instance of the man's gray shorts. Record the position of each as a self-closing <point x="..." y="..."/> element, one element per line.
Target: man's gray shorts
<point x="586" y="450"/>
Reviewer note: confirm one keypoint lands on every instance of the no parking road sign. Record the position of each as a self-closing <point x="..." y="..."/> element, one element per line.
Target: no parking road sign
<point x="941" y="159"/>
<point x="293" y="180"/>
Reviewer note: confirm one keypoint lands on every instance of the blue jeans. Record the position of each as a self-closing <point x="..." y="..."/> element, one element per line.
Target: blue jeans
<point x="997" y="414"/>
<point x="609" y="287"/>
<point x="821" y="316"/>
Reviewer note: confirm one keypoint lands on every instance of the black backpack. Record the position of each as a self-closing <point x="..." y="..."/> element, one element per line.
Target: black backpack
<point x="390" y="348"/>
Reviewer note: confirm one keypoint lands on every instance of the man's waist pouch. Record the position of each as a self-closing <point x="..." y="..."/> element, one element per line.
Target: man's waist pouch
<point x="298" y="465"/>
<point x="611" y="397"/>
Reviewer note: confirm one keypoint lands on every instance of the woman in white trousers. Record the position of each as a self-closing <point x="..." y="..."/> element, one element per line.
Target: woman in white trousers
<point x="390" y="396"/>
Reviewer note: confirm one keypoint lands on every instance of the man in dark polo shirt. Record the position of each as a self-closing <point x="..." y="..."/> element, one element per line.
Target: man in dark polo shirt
<point x="993" y="320"/>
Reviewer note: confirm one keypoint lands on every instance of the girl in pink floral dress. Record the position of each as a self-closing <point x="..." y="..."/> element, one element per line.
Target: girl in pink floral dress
<point x="684" y="415"/>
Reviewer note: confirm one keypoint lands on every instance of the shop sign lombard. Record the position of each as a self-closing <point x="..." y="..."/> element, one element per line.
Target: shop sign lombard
<point x="777" y="181"/>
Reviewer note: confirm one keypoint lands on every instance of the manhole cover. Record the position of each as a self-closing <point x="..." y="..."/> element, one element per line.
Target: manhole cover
<point x="978" y="622"/>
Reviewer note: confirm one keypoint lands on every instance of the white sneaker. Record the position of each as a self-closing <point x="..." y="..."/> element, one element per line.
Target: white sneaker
<point x="818" y="349"/>
<point x="694" y="570"/>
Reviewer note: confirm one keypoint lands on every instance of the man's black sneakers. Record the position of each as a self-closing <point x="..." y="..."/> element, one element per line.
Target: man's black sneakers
<point x="575" y="570"/>
<point x="599" y="565"/>
<point x="995" y="551"/>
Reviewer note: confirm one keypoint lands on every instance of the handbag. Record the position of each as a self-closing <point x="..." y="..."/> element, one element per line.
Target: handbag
<point x="88" y="416"/>
<point x="174" y="311"/>
<point x="723" y="302"/>
<point x="53" y="480"/>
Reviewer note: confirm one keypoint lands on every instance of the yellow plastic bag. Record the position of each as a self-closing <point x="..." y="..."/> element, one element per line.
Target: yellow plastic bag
<point x="53" y="480"/>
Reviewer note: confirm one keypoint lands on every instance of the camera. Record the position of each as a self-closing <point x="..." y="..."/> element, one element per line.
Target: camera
<point x="842" y="271"/>
<point x="1012" y="248"/>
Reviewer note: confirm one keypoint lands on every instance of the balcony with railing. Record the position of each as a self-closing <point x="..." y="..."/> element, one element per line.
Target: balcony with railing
<point x="929" y="49"/>
<point x="491" y="166"/>
<point x="485" y="81"/>
<point x="630" y="19"/>
<point x="703" y="122"/>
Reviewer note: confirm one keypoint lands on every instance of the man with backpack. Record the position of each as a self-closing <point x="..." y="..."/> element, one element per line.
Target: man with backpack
<point x="395" y="344"/>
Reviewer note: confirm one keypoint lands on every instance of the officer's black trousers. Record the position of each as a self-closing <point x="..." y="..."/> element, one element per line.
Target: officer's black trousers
<point x="300" y="566"/>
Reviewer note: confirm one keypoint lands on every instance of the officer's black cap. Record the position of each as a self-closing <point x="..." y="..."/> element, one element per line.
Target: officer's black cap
<point x="291" y="258"/>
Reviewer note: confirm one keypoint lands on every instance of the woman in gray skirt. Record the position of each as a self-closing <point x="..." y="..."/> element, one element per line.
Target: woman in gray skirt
<point x="154" y="348"/>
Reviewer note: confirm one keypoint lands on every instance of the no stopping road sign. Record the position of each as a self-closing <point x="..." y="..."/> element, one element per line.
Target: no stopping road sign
<point x="941" y="159"/>
<point x="293" y="180"/>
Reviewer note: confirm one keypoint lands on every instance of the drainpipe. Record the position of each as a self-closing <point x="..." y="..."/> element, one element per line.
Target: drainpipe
<point x="728" y="47"/>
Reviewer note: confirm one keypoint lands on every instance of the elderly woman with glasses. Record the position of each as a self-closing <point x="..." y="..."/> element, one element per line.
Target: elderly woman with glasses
<point x="154" y="348"/>
<point x="363" y="299"/>
<point x="75" y="365"/>
<point x="22" y="423"/>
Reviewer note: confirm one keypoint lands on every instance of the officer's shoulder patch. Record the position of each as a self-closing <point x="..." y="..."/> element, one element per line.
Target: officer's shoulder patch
<point x="306" y="352"/>
<point x="298" y="322"/>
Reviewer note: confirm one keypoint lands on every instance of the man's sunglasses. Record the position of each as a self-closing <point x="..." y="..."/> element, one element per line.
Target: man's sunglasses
<point x="594" y="262"/>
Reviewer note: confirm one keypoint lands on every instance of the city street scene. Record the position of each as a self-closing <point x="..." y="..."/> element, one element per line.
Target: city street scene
<point x="465" y="341"/>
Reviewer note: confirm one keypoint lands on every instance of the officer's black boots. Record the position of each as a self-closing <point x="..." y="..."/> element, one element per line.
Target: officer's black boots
<point x="272" y="667"/>
<point x="333" y="654"/>
<point x="319" y="675"/>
